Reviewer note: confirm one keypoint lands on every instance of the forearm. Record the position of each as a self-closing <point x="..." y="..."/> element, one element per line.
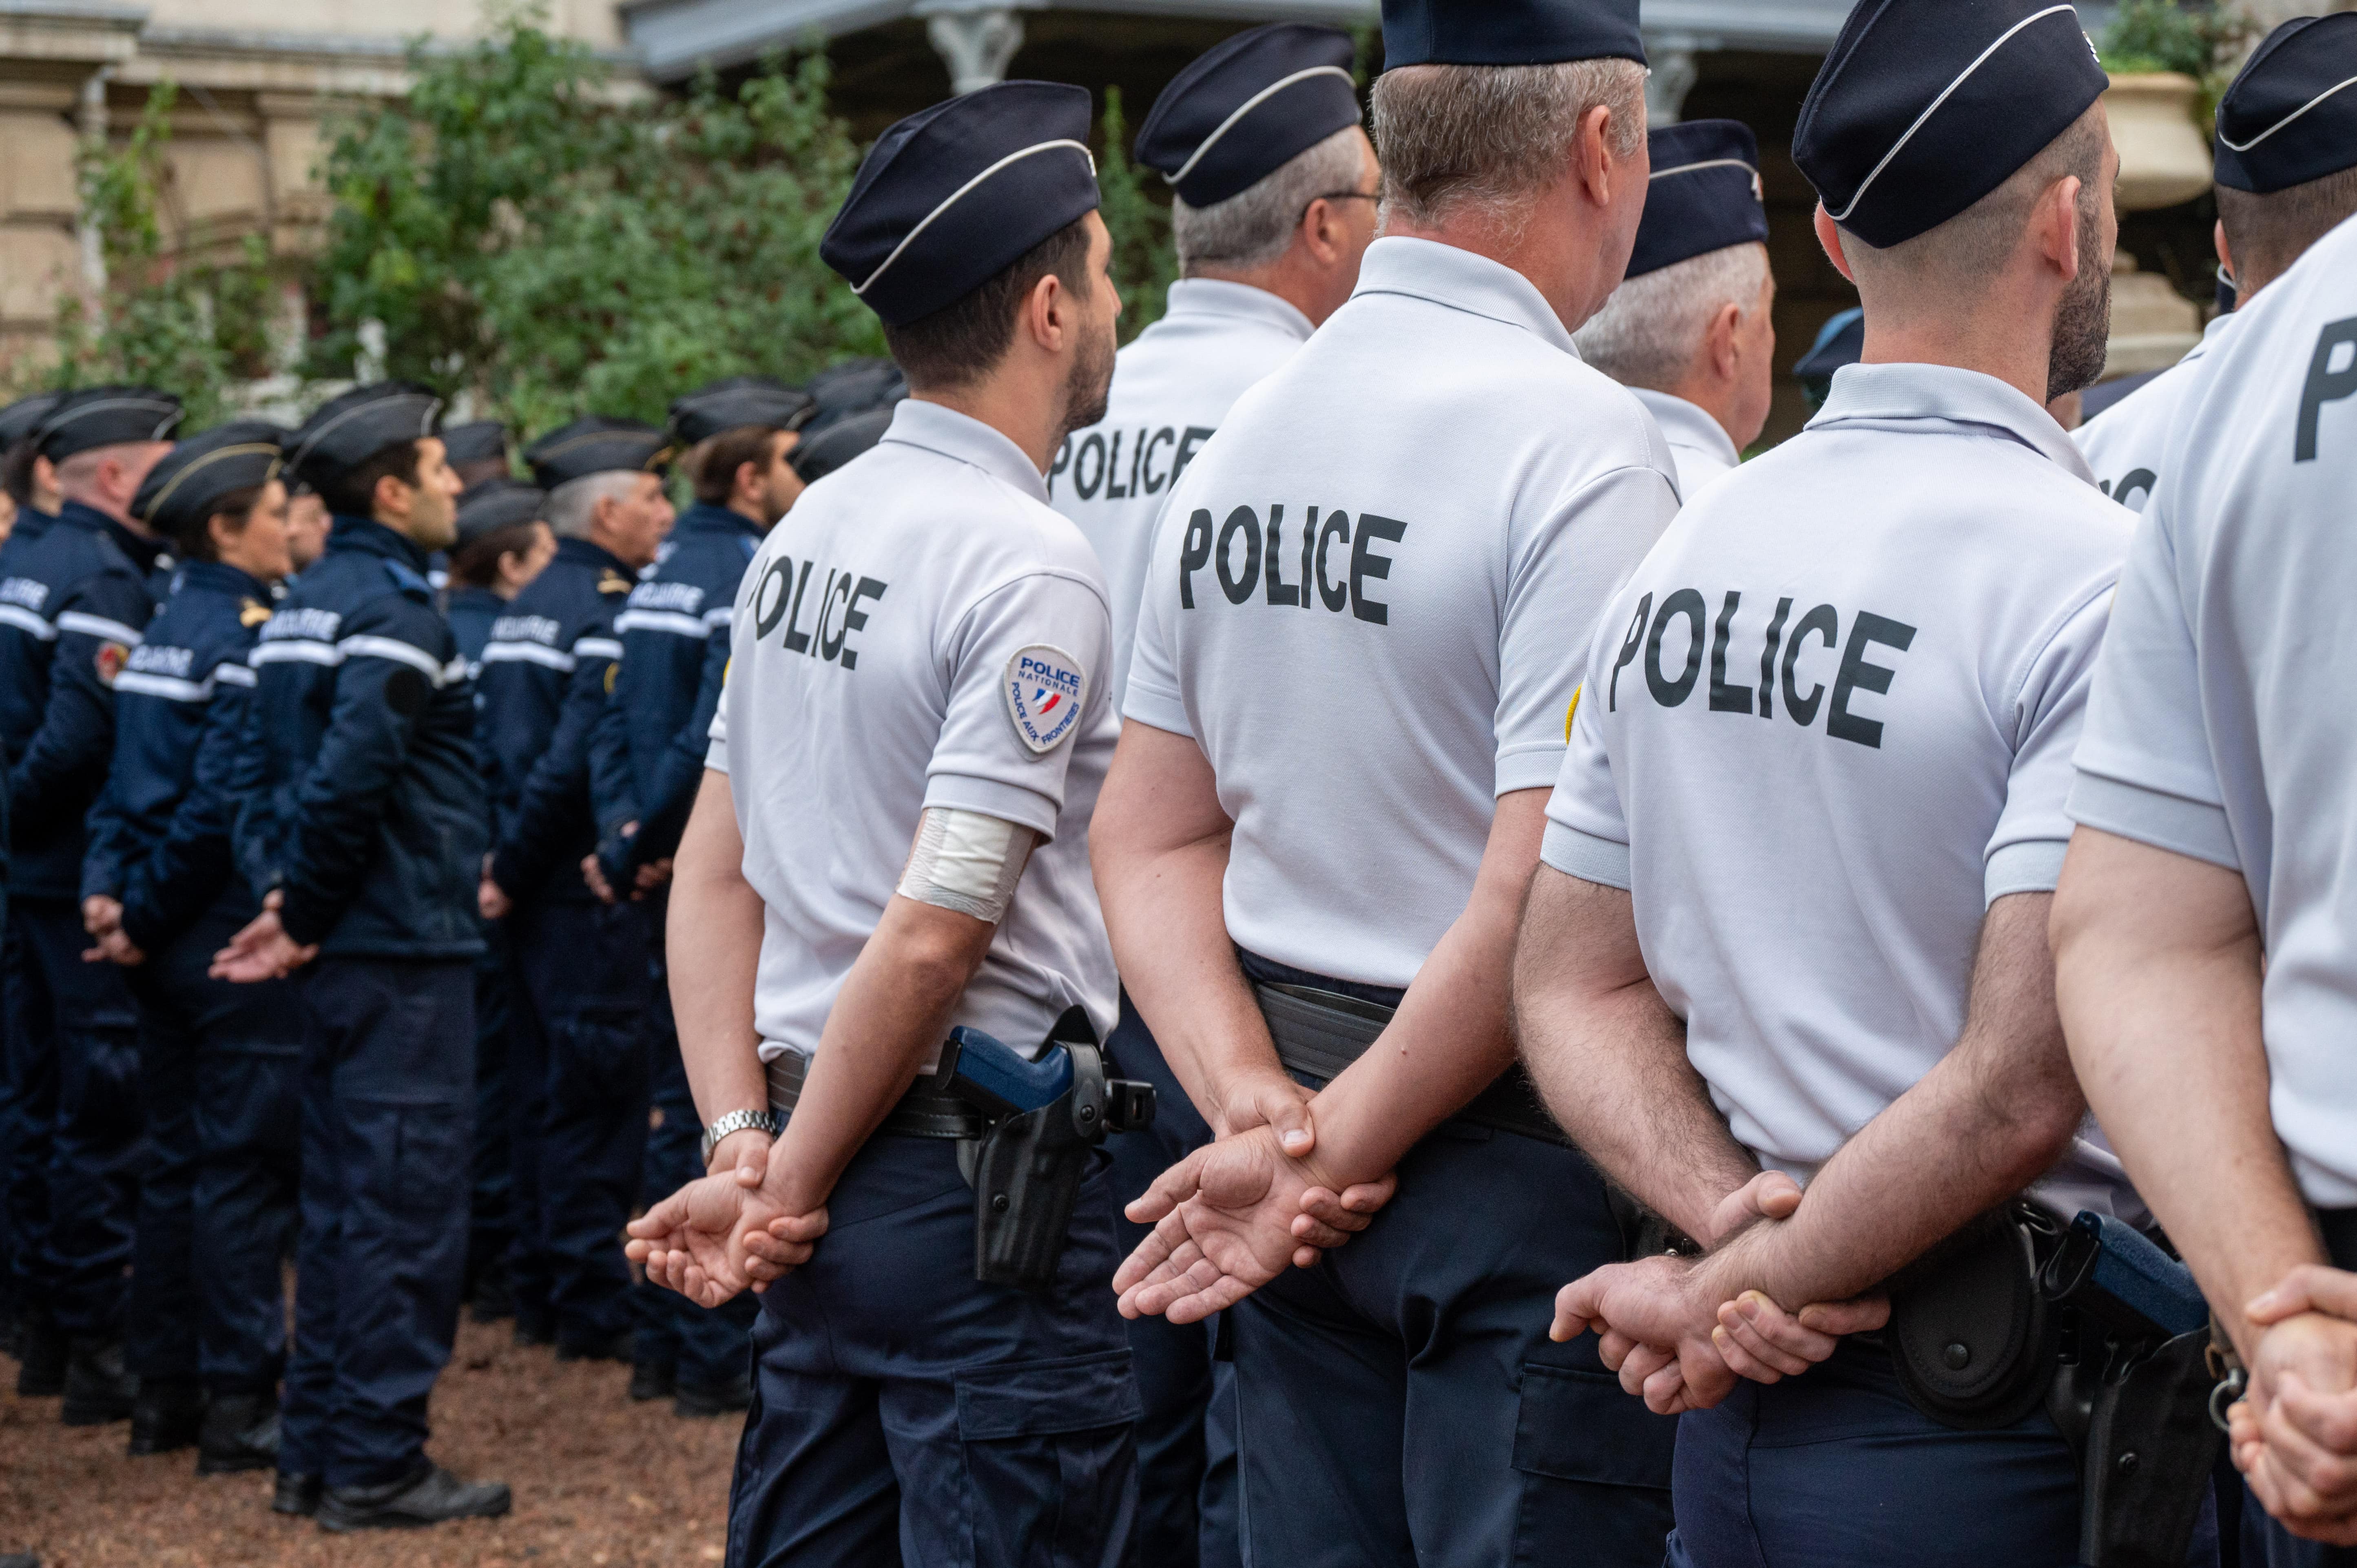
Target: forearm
<point x="712" y="949"/>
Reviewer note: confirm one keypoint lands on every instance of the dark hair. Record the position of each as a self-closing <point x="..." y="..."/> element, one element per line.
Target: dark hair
<point x="961" y="342"/>
<point x="715" y="469"/>
<point x="194" y="537"/>
<point x="352" y="493"/>
<point x="476" y="563"/>
<point x="17" y="470"/>
<point x="2268" y="233"/>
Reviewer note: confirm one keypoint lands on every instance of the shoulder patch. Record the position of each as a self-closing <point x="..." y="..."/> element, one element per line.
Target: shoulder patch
<point x="1044" y="689"/>
<point x="407" y="580"/>
<point x="613" y="582"/>
<point x="252" y="613"/>
<point x="110" y="659"/>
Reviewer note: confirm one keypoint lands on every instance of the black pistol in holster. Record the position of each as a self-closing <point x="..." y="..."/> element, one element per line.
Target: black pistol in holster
<point x="1043" y="1117"/>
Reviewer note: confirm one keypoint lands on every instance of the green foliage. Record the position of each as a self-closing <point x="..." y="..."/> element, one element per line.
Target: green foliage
<point x="1143" y="261"/>
<point x="2198" y="38"/>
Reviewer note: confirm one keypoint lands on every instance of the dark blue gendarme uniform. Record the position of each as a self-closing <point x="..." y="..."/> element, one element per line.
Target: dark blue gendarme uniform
<point x="370" y="822"/>
<point x="77" y="594"/>
<point x="578" y="1041"/>
<point x="217" y="1062"/>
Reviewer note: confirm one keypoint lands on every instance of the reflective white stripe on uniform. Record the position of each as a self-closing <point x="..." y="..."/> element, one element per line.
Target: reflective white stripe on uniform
<point x="233" y="675"/>
<point x="597" y="648"/>
<point x="24" y="620"/>
<point x="305" y="650"/>
<point x="527" y="653"/>
<point x="170" y="687"/>
<point x="725" y="616"/>
<point x="661" y="620"/>
<point x="296" y="650"/>
<point x="86" y="624"/>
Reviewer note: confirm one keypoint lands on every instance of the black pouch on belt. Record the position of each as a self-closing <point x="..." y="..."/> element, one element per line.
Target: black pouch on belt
<point x="1972" y="1340"/>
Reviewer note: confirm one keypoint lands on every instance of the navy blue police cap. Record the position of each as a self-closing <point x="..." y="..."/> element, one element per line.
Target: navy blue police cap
<point x="1704" y="194"/>
<point x="952" y="196"/>
<point x="821" y="455"/>
<point x="1925" y="106"/>
<point x="348" y="431"/>
<point x="1509" y="32"/>
<point x="736" y="402"/>
<point x="1839" y="342"/>
<point x="1244" y="108"/>
<point x="2291" y="115"/>
<point x="595" y="444"/>
<point x="478" y="441"/>
<point x="107" y="416"/>
<point x="850" y="388"/>
<point x="24" y="416"/>
<point x="183" y="488"/>
<point x="494" y="504"/>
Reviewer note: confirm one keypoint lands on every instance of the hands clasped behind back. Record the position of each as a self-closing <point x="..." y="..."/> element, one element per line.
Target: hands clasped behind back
<point x="726" y="1232"/>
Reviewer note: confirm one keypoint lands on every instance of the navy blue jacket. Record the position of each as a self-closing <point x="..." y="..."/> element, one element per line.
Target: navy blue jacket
<point x="655" y="733"/>
<point x="160" y="836"/>
<point x="546" y="675"/>
<point x="370" y="811"/>
<point x="471" y="612"/>
<point x="75" y="596"/>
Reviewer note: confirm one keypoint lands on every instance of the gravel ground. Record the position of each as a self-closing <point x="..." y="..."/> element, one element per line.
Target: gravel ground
<point x="597" y="1480"/>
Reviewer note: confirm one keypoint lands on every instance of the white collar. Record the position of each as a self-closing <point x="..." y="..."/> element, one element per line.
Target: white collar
<point x="2210" y="335"/>
<point x="1427" y="269"/>
<point x="1687" y="424"/>
<point x="940" y="429"/>
<point x="1952" y="394"/>
<point x="1193" y="298"/>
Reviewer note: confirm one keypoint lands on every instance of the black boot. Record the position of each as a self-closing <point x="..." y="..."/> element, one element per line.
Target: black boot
<point x="167" y="1414"/>
<point x="534" y="1325"/>
<point x="492" y="1298"/>
<point x="652" y="1381"/>
<point x="295" y="1495"/>
<point x="41" y="1358"/>
<point x="432" y="1495"/>
<point x="241" y="1432"/>
<point x="708" y="1402"/>
<point x="99" y="1387"/>
<point x="18" y="1559"/>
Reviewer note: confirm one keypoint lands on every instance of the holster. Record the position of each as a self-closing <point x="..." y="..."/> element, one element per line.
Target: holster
<point x="1026" y="1172"/>
<point x="2147" y="1453"/>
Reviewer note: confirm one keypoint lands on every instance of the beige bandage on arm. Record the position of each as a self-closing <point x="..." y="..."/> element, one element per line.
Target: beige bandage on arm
<point x="966" y="861"/>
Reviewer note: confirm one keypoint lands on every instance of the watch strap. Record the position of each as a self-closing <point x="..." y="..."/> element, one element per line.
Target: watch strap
<point x="737" y="1121"/>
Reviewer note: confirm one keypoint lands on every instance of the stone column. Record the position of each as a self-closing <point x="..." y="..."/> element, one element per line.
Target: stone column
<point x="1672" y="56"/>
<point x="976" y="43"/>
<point x="90" y="122"/>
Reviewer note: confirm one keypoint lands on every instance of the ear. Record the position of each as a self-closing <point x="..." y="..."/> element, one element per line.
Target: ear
<point x="1720" y="337"/>
<point x="393" y="501"/>
<point x="749" y="477"/>
<point x="1829" y="236"/>
<point x="2055" y="224"/>
<point x="1322" y="231"/>
<point x="1592" y="154"/>
<point x="2225" y="251"/>
<point x="1048" y="313"/>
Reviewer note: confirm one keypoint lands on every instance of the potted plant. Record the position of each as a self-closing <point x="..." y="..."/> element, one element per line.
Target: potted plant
<point x="2165" y="62"/>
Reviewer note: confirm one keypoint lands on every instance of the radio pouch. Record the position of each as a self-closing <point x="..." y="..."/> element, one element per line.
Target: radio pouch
<point x="1972" y="1338"/>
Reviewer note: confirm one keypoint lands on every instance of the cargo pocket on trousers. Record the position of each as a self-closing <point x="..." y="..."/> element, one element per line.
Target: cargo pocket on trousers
<point x="431" y="1168"/>
<point x="1048" y="1457"/>
<point x="1595" y="1466"/>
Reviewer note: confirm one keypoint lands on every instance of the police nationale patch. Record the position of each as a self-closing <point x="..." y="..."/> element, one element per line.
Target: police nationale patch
<point x="110" y="659"/>
<point x="1044" y="687"/>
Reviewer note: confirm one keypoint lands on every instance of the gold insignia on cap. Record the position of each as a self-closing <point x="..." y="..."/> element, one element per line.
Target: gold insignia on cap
<point x="252" y="613"/>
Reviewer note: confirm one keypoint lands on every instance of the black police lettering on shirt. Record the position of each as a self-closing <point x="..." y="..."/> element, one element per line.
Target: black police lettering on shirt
<point x="1096" y="467"/>
<point x="2135" y="482"/>
<point x="2325" y="384"/>
<point x="820" y="625"/>
<point x="1246" y="559"/>
<point x="1671" y="686"/>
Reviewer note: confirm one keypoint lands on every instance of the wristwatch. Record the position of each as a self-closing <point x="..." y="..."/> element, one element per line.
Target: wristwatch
<point x="737" y="1121"/>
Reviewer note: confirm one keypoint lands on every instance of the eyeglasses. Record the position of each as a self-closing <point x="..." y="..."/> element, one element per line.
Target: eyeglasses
<point x="1337" y="196"/>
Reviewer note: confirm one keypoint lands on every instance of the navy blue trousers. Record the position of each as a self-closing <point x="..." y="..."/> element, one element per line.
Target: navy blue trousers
<point x="73" y="1183"/>
<point x="903" y="1413"/>
<point x="388" y="1122"/>
<point x="1185" y="1424"/>
<point x="1399" y="1401"/>
<point x="219" y="1076"/>
<point x="491" y="1232"/>
<point x="577" y="1064"/>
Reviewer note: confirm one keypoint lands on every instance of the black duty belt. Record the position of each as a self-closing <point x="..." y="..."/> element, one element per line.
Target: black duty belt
<point x="2340" y="1228"/>
<point x="922" y="1113"/>
<point x="1319" y="1033"/>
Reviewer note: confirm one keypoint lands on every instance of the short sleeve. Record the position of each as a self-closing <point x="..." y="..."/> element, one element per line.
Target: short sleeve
<point x="1027" y="664"/>
<point x="2025" y="852"/>
<point x="1565" y="569"/>
<point x="1153" y="696"/>
<point x="1586" y="833"/>
<point x="2145" y="768"/>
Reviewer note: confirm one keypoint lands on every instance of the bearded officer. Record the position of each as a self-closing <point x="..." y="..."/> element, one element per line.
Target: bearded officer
<point x="77" y="596"/>
<point x="1290" y="880"/>
<point x="1792" y="913"/>
<point x="1692" y="331"/>
<point x="2201" y="929"/>
<point x="364" y="833"/>
<point x="739" y="435"/>
<point x="2279" y="190"/>
<point x="917" y="704"/>
<point x="578" y="1061"/>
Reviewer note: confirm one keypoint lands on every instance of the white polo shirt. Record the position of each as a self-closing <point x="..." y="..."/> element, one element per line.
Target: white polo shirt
<point x="2127" y="446"/>
<point x="922" y="629"/>
<point x="1363" y="589"/>
<point x="2221" y="725"/>
<point x="1171" y="389"/>
<point x="1699" y="444"/>
<point x="1828" y="723"/>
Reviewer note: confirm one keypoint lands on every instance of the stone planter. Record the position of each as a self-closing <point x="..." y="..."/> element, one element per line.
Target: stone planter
<point x="2152" y="323"/>
<point x="2163" y="159"/>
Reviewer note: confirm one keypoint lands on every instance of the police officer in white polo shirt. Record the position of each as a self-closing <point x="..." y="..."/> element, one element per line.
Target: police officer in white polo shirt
<point x="1692" y="331"/>
<point x="2202" y="930"/>
<point x="1272" y="203"/>
<point x="892" y="842"/>
<point x="1347" y="702"/>
<point x="1793" y="914"/>
<point x="2282" y="169"/>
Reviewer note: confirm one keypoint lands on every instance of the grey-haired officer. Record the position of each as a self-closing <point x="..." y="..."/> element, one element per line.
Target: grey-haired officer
<point x="2200" y="929"/>
<point x="78" y="592"/>
<point x="1347" y="702"/>
<point x="892" y="841"/>
<point x="1692" y="331"/>
<point x="578" y="1058"/>
<point x="364" y="832"/>
<point x="1793" y="910"/>
<point x="2275" y="198"/>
